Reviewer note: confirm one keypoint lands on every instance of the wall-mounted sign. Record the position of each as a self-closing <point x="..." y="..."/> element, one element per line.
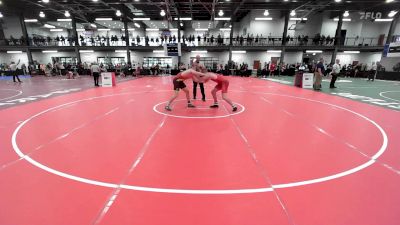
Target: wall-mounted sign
<point x="173" y="49"/>
<point x="370" y="15"/>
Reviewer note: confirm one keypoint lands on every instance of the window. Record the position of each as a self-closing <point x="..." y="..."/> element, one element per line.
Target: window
<point x="65" y="60"/>
<point x="210" y="63"/>
<point x="111" y="60"/>
<point x="161" y="61"/>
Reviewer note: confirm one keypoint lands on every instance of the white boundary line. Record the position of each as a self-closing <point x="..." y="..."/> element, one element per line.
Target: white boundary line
<point x="20" y="93"/>
<point x="197" y="117"/>
<point x="202" y="192"/>
<point x="381" y="94"/>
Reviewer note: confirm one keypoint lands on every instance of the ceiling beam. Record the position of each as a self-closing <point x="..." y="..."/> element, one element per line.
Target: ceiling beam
<point x="237" y="8"/>
<point x="205" y="6"/>
<point x="213" y="9"/>
<point x="168" y="13"/>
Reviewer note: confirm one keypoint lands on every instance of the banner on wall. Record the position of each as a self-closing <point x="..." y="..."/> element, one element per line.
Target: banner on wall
<point x="386" y="50"/>
<point x="393" y="51"/>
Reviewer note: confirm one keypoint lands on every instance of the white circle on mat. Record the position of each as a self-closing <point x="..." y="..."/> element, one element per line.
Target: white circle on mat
<point x="202" y="191"/>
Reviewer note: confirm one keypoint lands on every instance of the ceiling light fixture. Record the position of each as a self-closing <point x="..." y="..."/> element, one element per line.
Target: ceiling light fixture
<point x="392" y="13"/>
<point x="103" y="19"/>
<point x="383" y="20"/>
<point x="49" y="51"/>
<point x="41" y="14"/>
<point x="49" y="26"/>
<point x="45" y="1"/>
<point x="162" y="13"/>
<point x="263" y="18"/>
<point x="297" y="19"/>
<point x="293" y="13"/>
<point x="66" y="14"/>
<point x="118" y="13"/>
<point x="199" y="51"/>
<point x="86" y="51"/>
<point x="239" y="52"/>
<point x="14" y="52"/>
<point x="30" y="20"/>
<point x="314" y="51"/>
<point x="222" y="18"/>
<point x="1" y="15"/>
<point x="137" y="25"/>
<point x="220" y="13"/>
<point x="344" y="19"/>
<point x="346" y="13"/>
<point x="266" y="13"/>
<point x="351" y="52"/>
<point x="141" y="19"/>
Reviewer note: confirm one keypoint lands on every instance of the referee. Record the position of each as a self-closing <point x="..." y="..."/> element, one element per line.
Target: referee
<point x="95" y="69"/>
<point x="13" y="69"/>
<point x="335" y="73"/>
<point x="199" y="68"/>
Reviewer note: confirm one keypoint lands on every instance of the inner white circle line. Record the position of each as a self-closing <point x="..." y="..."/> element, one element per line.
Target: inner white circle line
<point x="19" y="93"/>
<point x="381" y="94"/>
<point x="197" y="117"/>
<point x="190" y="191"/>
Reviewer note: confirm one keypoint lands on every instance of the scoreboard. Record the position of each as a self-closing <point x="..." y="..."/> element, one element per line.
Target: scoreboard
<point x="173" y="49"/>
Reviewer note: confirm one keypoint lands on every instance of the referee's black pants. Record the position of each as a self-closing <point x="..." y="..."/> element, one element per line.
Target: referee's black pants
<point x="201" y="89"/>
<point x="333" y="80"/>
<point x="96" y="78"/>
<point x="15" y="75"/>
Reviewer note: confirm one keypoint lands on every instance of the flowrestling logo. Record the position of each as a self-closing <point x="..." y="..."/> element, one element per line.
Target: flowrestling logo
<point x="370" y="15"/>
<point x="37" y="97"/>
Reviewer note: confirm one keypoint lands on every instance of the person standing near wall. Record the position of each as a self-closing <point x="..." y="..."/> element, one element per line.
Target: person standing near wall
<point x="335" y="73"/>
<point x="13" y="69"/>
<point x="272" y="68"/>
<point x="199" y="68"/>
<point x="318" y="73"/>
<point x="95" y="69"/>
<point x="372" y="72"/>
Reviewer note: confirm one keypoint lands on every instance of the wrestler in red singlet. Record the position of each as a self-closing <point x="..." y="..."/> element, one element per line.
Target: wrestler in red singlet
<point x="222" y="83"/>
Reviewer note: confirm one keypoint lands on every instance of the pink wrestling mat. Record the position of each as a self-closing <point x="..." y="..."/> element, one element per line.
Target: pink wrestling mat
<point x="114" y="156"/>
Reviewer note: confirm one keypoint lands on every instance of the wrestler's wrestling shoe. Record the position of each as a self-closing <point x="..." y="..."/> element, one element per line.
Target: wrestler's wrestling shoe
<point x="234" y="108"/>
<point x="190" y="105"/>
<point x="214" y="106"/>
